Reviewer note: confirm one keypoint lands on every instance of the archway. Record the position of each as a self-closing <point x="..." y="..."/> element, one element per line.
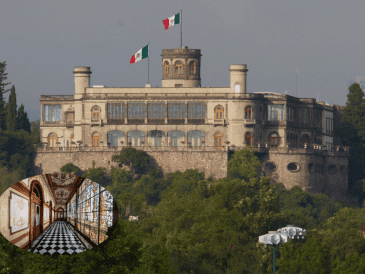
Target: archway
<point x="36" y="211"/>
<point x="60" y="214"/>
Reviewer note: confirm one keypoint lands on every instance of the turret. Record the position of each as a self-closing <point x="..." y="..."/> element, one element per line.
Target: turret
<point x="181" y="67"/>
<point x="82" y="80"/>
<point x="238" y="79"/>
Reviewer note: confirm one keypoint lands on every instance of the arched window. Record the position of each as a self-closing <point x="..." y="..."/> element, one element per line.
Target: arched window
<point x="305" y="139"/>
<point x="218" y="112"/>
<point x="248" y="112"/>
<point x="166" y="67"/>
<point x="136" y="137"/>
<point x="274" y="139"/>
<point x="95" y="113"/>
<point x="192" y="68"/>
<point x="155" y="138"/>
<point x="248" y="138"/>
<point x="237" y="88"/>
<point x="218" y="140"/>
<point x="115" y="137"/>
<point x="195" y="138"/>
<point x="52" y="140"/>
<point x="96" y="140"/>
<point x="175" y="137"/>
<point x="179" y="67"/>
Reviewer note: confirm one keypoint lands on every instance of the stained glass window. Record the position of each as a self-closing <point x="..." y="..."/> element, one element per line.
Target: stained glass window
<point x="176" y="110"/>
<point x="136" y="110"/>
<point x="93" y="220"/>
<point x="156" y="110"/>
<point x="115" y="110"/>
<point x="196" y="110"/>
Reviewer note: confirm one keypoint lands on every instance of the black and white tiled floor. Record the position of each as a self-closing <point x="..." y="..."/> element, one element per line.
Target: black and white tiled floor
<point x="59" y="239"/>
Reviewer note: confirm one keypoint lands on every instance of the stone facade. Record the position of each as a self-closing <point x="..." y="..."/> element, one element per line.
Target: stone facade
<point x="213" y="163"/>
<point x="182" y="116"/>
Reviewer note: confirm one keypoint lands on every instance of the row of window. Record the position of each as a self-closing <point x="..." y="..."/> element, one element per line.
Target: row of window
<point x="177" y="110"/>
<point x="195" y="137"/>
<point x="115" y="138"/>
<point x="179" y="67"/>
<point x="312" y="168"/>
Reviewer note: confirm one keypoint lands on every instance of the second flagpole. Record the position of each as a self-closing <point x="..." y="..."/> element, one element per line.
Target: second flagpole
<point x="181" y="26"/>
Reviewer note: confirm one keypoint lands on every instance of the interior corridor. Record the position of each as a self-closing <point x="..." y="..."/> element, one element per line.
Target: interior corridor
<point x="59" y="239"/>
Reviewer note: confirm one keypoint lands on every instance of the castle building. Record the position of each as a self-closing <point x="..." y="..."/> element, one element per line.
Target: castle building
<point x="183" y="125"/>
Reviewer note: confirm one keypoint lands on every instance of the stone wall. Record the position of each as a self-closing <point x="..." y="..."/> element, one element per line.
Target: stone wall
<point x="212" y="163"/>
<point x="313" y="179"/>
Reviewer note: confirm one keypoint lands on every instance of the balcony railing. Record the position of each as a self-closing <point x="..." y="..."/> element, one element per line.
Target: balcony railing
<point x="219" y="122"/>
<point x="260" y="148"/>
<point x="59" y="97"/>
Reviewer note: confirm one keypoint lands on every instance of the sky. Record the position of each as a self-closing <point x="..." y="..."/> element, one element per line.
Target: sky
<point x="43" y="40"/>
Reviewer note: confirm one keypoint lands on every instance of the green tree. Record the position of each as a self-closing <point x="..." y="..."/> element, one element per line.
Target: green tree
<point x="354" y="111"/>
<point x="151" y="185"/>
<point x="214" y="228"/>
<point x="310" y="256"/>
<point x="306" y="210"/>
<point x="243" y="165"/>
<point x="35" y="132"/>
<point x="2" y="91"/>
<point x="136" y="160"/>
<point x="8" y="178"/>
<point x="352" y="133"/>
<point x="97" y="175"/>
<point x="70" y="168"/>
<point x="22" y="121"/>
<point x="12" y="111"/>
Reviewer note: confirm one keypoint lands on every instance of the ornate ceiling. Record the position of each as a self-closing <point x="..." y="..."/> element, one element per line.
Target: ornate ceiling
<point x="63" y="186"/>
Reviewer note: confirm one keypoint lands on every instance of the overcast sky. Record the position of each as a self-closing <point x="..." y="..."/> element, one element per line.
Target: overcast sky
<point x="43" y="40"/>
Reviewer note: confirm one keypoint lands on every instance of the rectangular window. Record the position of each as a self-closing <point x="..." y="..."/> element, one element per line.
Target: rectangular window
<point x="115" y="110"/>
<point x="156" y="110"/>
<point x="52" y="113"/>
<point x="176" y="110"/>
<point x="196" y="110"/>
<point x="136" y="110"/>
<point x="275" y="112"/>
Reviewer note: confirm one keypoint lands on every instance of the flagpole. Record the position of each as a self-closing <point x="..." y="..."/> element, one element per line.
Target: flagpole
<point x="181" y="26"/>
<point x="148" y="71"/>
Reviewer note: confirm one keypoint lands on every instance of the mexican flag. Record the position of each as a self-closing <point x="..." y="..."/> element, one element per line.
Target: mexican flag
<point x="141" y="54"/>
<point x="173" y="20"/>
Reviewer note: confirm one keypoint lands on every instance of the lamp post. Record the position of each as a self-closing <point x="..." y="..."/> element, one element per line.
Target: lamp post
<point x="281" y="236"/>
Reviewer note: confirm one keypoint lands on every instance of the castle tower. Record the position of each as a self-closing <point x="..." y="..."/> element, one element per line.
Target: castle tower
<point x="82" y="80"/>
<point x="238" y="78"/>
<point x="181" y="67"/>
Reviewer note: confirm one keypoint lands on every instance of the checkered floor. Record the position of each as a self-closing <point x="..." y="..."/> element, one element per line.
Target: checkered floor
<point x="59" y="239"/>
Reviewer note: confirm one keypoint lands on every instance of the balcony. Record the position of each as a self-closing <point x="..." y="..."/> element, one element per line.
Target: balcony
<point x="219" y="122"/>
<point x="96" y="122"/>
<point x="70" y="124"/>
<point x="249" y="121"/>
